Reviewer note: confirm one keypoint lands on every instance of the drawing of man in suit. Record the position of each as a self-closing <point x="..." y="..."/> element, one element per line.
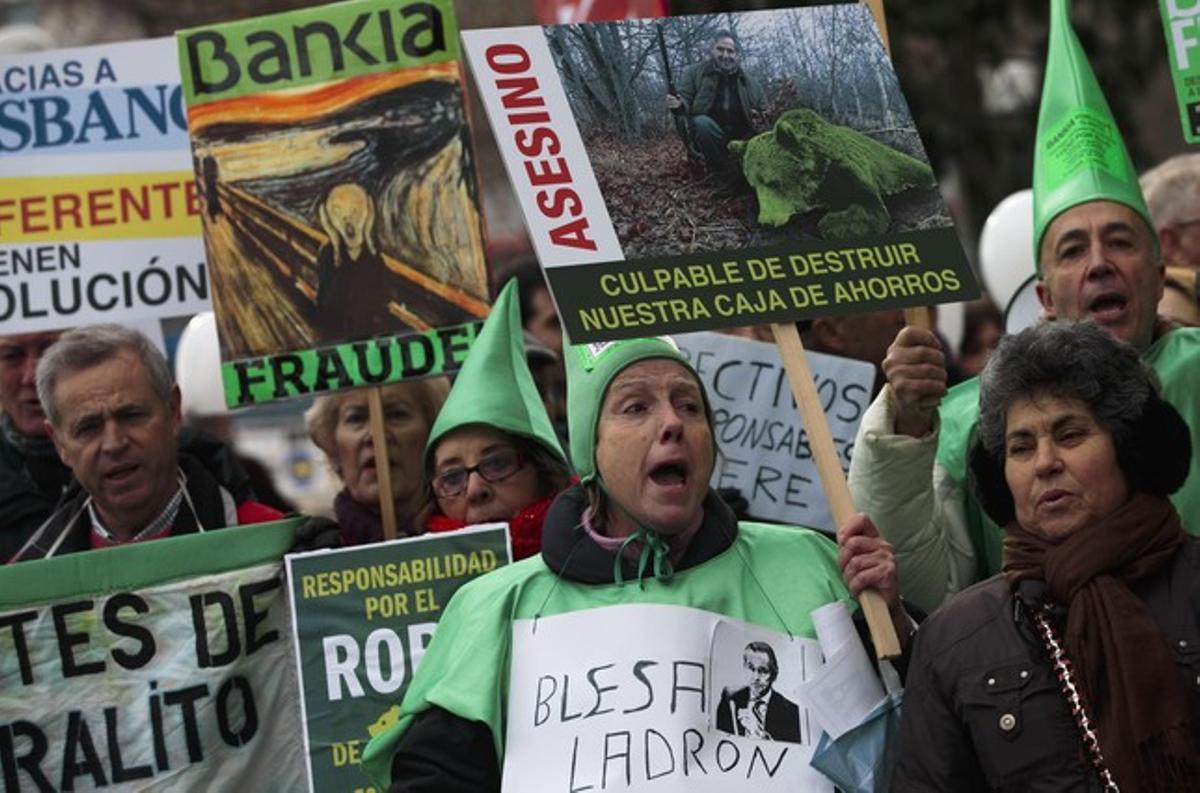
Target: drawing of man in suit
<point x="757" y="710"/>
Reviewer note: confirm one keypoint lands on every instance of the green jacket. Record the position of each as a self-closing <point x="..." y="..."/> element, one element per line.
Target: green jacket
<point x="698" y="90"/>
<point x="465" y="669"/>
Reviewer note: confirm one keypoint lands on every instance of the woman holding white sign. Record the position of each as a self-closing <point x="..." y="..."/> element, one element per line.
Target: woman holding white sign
<point x="643" y="538"/>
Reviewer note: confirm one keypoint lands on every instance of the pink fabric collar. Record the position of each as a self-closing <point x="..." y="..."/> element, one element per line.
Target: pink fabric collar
<point x="677" y="544"/>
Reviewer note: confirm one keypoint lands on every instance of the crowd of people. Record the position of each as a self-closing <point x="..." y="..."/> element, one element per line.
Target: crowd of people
<point x="1029" y="528"/>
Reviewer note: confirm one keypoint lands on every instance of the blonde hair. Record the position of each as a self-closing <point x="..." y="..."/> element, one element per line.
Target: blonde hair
<point x="320" y="420"/>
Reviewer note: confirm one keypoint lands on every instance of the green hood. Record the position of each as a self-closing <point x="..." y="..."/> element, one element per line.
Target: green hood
<point x="494" y="386"/>
<point x="590" y="370"/>
<point x="1079" y="155"/>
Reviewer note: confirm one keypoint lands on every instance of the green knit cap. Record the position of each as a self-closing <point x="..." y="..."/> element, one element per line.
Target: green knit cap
<point x="590" y="370"/>
<point x="494" y="386"/>
<point x="1079" y="155"/>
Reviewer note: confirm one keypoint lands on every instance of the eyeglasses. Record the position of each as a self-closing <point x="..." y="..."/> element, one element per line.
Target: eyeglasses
<point x="495" y="468"/>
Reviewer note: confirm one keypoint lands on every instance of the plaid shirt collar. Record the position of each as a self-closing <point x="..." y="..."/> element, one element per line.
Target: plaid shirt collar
<point x="164" y="521"/>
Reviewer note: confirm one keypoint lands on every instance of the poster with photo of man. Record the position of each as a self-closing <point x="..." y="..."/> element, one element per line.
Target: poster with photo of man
<point x="717" y="170"/>
<point x="757" y="676"/>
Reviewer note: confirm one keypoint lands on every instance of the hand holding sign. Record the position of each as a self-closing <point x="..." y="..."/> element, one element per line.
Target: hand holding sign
<point x="915" y="367"/>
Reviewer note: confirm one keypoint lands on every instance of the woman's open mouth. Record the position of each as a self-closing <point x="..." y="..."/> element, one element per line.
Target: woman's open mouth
<point x="671" y="475"/>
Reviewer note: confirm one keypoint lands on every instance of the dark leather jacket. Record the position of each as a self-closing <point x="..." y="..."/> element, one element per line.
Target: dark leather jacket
<point x="983" y="709"/>
<point x="31" y="483"/>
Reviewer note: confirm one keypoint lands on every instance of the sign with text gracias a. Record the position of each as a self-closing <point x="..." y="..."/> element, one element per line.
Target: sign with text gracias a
<point x="807" y="193"/>
<point x="99" y="211"/>
<point x="340" y="212"/>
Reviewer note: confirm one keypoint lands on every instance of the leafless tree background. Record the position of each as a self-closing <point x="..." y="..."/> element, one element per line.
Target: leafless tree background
<point x="946" y="53"/>
<point x="828" y="59"/>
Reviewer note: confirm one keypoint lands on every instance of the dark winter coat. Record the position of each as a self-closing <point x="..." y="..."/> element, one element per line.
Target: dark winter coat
<point x="699" y="87"/>
<point x="31" y="483"/>
<point x="983" y="709"/>
<point x="217" y="485"/>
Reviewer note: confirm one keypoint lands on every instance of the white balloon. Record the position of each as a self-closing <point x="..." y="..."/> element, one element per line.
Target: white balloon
<point x="1006" y="247"/>
<point x="198" y="368"/>
<point x="950" y="323"/>
<point x="1024" y="310"/>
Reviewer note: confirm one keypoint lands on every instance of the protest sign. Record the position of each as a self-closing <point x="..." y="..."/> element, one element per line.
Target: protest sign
<point x="765" y="451"/>
<point x="664" y="707"/>
<point x="817" y="198"/>
<point x="363" y="618"/>
<point x="1180" y="24"/>
<point x="99" y="212"/>
<point x="164" y="665"/>
<point x="341" y="215"/>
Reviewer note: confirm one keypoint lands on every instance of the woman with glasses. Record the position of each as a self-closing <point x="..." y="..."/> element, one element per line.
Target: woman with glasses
<point x="493" y="454"/>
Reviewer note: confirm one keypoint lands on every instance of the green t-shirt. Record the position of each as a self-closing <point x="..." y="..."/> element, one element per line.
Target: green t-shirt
<point x="1175" y="358"/>
<point x="770" y="573"/>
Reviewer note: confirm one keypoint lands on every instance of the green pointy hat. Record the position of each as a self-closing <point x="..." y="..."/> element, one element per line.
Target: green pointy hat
<point x="1079" y="155"/>
<point x="590" y="370"/>
<point x="494" y="386"/>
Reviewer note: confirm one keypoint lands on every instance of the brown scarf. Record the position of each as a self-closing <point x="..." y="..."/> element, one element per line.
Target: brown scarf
<point x="1129" y="677"/>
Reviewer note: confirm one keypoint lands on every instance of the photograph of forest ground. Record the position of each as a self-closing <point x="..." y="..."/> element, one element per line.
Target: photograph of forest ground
<point x="831" y="153"/>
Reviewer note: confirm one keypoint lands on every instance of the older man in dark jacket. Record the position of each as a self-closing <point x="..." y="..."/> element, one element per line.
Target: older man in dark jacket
<point x="721" y="99"/>
<point x="114" y="416"/>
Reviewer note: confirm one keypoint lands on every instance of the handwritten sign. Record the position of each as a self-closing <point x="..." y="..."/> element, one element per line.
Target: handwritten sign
<point x="764" y="449"/>
<point x="160" y="665"/>
<point x="642" y="712"/>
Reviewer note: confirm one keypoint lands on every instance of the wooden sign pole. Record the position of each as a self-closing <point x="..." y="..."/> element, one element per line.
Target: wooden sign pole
<point x="876" y="7"/>
<point x="383" y="469"/>
<point x="917" y="317"/>
<point x="833" y="479"/>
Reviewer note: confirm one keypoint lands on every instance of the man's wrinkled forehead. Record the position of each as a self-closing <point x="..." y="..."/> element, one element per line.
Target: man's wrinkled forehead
<point x="756" y="660"/>
<point x="1103" y="217"/>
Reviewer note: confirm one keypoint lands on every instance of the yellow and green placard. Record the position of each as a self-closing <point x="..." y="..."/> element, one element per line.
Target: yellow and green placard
<point x="1181" y="23"/>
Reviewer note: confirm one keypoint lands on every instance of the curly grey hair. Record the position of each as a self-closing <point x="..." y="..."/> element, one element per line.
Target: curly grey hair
<point x="90" y="345"/>
<point x="1064" y="359"/>
<point x="1079" y="360"/>
<point x="1172" y="189"/>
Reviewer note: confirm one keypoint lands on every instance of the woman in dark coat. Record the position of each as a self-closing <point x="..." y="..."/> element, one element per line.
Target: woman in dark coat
<point x="1077" y="668"/>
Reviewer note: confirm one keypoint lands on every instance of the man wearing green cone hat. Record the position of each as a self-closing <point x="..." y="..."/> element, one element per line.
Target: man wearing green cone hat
<point x="642" y="527"/>
<point x="1098" y="258"/>
<point x="492" y="454"/>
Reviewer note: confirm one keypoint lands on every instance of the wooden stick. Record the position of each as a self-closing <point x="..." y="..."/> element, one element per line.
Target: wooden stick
<point x="876" y="7"/>
<point x="833" y="479"/>
<point x="383" y="469"/>
<point x="918" y="317"/>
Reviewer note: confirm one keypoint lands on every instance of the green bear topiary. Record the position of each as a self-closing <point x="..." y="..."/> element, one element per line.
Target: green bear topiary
<point x="808" y="163"/>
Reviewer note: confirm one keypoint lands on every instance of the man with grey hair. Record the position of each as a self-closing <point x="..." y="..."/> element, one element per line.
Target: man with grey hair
<point x="1172" y="190"/>
<point x="113" y="414"/>
<point x="722" y="100"/>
